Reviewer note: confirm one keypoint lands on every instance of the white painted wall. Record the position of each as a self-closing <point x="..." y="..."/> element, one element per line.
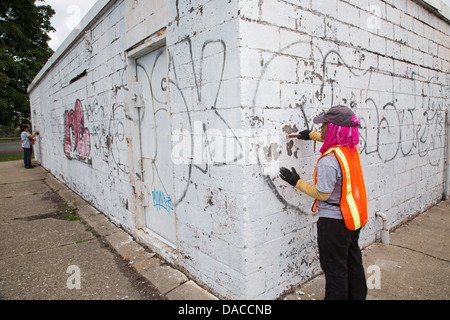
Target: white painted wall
<point x="389" y="61"/>
<point x="240" y="75"/>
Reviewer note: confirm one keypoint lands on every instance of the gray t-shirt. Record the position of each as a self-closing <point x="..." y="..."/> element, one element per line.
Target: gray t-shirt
<point x="329" y="180"/>
<point x="25" y="139"/>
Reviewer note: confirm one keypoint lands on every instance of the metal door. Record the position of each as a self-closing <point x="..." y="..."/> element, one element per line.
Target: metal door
<point x="155" y="129"/>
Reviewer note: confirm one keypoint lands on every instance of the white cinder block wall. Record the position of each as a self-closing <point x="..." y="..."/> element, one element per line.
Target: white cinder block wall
<point x="389" y="62"/>
<point x="82" y="118"/>
<point x="170" y="117"/>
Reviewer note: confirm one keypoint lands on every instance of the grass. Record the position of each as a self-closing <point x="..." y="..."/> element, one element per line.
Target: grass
<point x="14" y="157"/>
<point x="13" y="139"/>
<point x="11" y="157"/>
<point x="82" y="240"/>
<point x="68" y="212"/>
<point x="69" y="216"/>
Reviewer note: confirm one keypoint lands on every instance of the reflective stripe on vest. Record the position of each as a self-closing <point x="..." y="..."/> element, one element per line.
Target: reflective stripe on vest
<point x="349" y="196"/>
<point x="354" y="214"/>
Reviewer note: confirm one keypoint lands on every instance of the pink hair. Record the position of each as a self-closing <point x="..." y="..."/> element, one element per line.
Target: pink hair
<point x="341" y="136"/>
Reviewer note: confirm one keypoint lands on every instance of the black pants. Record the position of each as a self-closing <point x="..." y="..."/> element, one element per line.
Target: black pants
<point x="27" y="156"/>
<point x="341" y="261"/>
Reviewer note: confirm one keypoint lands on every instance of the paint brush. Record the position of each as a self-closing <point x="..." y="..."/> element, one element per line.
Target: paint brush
<point x="292" y="136"/>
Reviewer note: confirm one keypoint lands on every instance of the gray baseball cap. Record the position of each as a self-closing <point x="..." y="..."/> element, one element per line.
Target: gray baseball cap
<point x="338" y="115"/>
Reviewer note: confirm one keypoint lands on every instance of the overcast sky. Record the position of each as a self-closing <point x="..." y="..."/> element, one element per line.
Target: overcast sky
<point x="70" y="12"/>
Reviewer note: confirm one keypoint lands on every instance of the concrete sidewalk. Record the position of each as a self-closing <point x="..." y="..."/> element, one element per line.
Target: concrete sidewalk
<point x="51" y="240"/>
<point x="54" y="245"/>
<point x="414" y="266"/>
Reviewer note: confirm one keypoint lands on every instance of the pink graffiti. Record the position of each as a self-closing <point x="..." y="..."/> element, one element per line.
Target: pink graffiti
<point x="77" y="138"/>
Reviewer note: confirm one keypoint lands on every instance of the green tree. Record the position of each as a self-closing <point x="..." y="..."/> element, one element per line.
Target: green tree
<point x="24" y="28"/>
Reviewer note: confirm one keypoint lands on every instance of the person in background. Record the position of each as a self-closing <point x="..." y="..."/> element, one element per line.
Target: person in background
<point x="27" y="138"/>
<point x="341" y="201"/>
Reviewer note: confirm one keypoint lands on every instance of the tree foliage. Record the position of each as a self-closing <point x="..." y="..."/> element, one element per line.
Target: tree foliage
<point x="24" y="28"/>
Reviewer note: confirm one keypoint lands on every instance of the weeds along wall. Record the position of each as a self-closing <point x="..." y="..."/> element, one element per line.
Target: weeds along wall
<point x="171" y="118"/>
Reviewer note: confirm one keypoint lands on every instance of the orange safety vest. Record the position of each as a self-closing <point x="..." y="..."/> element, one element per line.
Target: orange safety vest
<point x="353" y="195"/>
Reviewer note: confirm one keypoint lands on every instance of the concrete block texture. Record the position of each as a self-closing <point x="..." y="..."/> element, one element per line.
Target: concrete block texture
<point x="170" y="118"/>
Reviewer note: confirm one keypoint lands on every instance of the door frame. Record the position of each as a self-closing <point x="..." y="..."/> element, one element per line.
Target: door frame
<point x="156" y="242"/>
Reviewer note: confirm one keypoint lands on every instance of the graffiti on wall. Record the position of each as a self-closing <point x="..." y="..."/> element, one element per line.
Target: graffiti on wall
<point x="206" y="79"/>
<point x="76" y="137"/>
<point x="417" y="127"/>
<point x="398" y="128"/>
<point x="97" y="131"/>
<point x="108" y="133"/>
<point x="389" y="128"/>
<point x="162" y="201"/>
<point x="104" y="139"/>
